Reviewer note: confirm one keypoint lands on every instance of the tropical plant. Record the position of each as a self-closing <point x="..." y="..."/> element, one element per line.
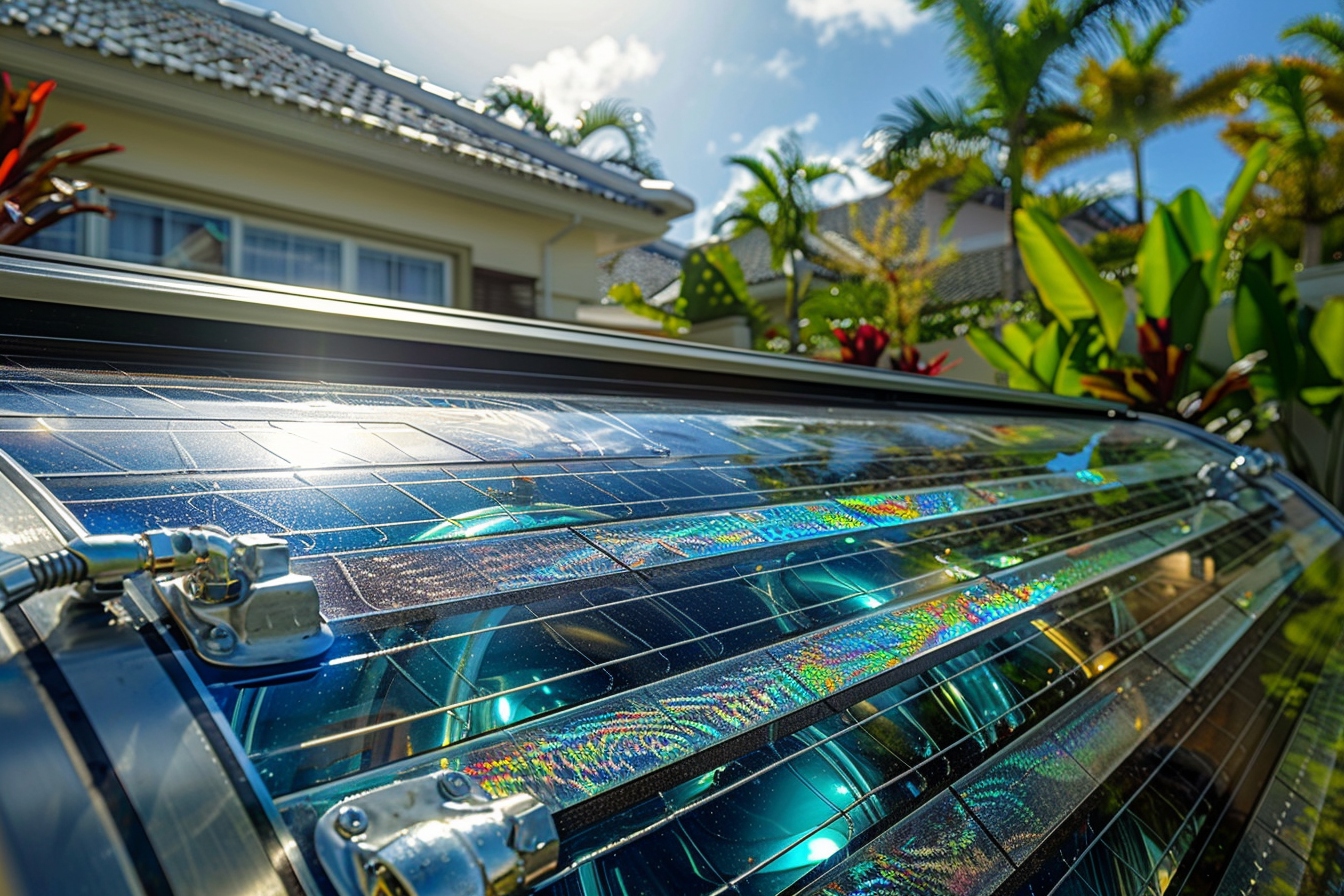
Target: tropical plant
<point x="888" y="276"/>
<point x="1183" y="263"/>
<point x="1131" y="99"/>
<point x="1016" y="53"/>
<point x="35" y="196"/>
<point x="528" y="110"/>
<point x="1304" y="183"/>
<point x="781" y="204"/>
<point x="1306" y="365"/>
<point x="711" y="288"/>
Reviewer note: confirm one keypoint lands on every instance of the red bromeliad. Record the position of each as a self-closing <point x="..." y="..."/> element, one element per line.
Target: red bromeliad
<point x="908" y="361"/>
<point x="866" y="343"/>
<point x="1153" y="386"/>
<point x="32" y="194"/>
<point x="862" y="346"/>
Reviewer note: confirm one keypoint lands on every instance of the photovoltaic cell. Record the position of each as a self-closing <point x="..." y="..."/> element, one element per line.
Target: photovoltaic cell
<point x="562" y="594"/>
<point x="939" y="849"/>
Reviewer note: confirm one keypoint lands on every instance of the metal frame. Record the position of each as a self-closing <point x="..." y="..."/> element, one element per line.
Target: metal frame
<point x="142" y="290"/>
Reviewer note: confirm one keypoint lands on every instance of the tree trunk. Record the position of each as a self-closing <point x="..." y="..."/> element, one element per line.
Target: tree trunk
<point x="1010" y="260"/>
<point x="1136" y="155"/>
<point x="791" y="302"/>
<point x="1312" y="237"/>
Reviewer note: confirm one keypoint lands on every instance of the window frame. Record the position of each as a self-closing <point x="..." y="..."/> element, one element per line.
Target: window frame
<point x="94" y="237"/>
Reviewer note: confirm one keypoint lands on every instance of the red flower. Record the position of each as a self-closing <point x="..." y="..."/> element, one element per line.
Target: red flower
<point x="863" y="346"/>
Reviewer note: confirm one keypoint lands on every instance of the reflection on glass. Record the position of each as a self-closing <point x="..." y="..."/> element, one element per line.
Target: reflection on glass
<point x="154" y="234"/>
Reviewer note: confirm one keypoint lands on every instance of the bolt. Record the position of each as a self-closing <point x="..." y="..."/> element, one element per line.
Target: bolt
<point x="352" y="820"/>
<point x="221" y="639"/>
<point x="454" y="786"/>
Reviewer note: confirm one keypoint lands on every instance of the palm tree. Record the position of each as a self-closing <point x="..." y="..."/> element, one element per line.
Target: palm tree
<point x="1133" y="98"/>
<point x="780" y="203"/>
<point x="1016" y="53"/>
<point x="505" y="98"/>
<point x="1304" y="186"/>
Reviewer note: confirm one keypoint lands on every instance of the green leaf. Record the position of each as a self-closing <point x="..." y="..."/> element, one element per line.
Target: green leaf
<point x="1197" y="225"/>
<point x="1163" y="258"/>
<point x="1019" y="375"/>
<point x="1047" y="351"/>
<point x="1260" y="321"/>
<point x="1318" y="396"/>
<point x="1327" y="336"/>
<point x="631" y="297"/>
<point x="1067" y="282"/>
<point x="1189" y="306"/>
<point x="1021" y="341"/>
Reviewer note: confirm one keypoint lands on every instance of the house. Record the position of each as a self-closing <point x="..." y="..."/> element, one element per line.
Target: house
<point x="977" y="235"/>
<point x="259" y="148"/>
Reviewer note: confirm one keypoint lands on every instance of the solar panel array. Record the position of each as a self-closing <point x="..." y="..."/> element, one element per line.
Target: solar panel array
<point x="754" y="648"/>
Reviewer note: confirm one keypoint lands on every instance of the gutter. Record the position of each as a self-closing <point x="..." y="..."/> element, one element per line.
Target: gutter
<point x="547" y="309"/>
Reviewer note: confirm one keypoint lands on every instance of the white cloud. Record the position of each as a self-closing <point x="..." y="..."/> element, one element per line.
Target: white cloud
<point x="859" y="184"/>
<point x="833" y="17"/>
<point x="782" y="65"/>
<point x="720" y="68"/>
<point x="566" y="78"/>
<point x="735" y="137"/>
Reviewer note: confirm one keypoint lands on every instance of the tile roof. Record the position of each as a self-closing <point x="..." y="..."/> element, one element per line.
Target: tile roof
<point x="654" y="267"/>
<point x="228" y="42"/>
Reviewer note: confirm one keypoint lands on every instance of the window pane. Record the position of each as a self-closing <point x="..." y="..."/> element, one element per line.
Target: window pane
<point x="404" y="277"/>
<point x="64" y="236"/>
<point x="375" y="273"/>
<point x="290" y="258"/>
<point x="152" y="234"/>
<point x="135" y="232"/>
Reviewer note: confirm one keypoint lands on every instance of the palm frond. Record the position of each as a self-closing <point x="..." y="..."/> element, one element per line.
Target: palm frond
<point x="1144" y="51"/>
<point x="1064" y="145"/>
<point x="1218" y="93"/>
<point x="1326" y="32"/>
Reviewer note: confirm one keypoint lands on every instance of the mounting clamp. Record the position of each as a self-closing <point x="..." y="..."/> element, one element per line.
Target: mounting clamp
<point x="440" y="835"/>
<point x="234" y="598"/>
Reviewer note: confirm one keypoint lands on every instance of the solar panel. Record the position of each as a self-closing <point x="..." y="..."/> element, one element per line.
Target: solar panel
<point x="753" y="648"/>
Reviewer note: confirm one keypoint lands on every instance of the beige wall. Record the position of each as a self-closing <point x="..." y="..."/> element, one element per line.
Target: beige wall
<point x="191" y="162"/>
<point x="977" y="226"/>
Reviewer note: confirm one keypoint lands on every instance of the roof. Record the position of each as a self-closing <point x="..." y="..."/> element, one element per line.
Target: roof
<point x="653" y="267"/>
<point x="242" y="47"/>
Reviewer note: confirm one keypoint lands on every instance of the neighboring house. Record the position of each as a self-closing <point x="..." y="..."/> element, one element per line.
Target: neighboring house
<point x="259" y="148"/>
<point x="977" y="235"/>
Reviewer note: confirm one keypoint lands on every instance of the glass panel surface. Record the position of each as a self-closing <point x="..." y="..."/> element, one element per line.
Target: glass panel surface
<point x="153" y="234"/>
<point x="283" y="257"/>
<point x="392" y="276"/>
<point x="788" y="647"/>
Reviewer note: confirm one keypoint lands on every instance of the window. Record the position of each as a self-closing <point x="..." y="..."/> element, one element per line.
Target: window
<point x="291" y="258"/>
<point x="393" y="276"/>
<point x="65" y="236"/>
<point x="501" y="293"/>
<point x="145" y="231"/>
<point x="154" y="234"/>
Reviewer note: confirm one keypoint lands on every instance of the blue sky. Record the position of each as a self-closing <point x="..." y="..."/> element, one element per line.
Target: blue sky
<point x="724" y="76"/>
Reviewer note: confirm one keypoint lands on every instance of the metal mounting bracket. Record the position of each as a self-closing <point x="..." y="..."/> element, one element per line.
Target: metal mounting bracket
<point x="256" y="613"/>
<point x="439" y="835"/>
<point x="234" y="598"/>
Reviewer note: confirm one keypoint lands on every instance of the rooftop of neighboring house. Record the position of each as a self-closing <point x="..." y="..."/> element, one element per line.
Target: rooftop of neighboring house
<point x="245" y="49"/>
